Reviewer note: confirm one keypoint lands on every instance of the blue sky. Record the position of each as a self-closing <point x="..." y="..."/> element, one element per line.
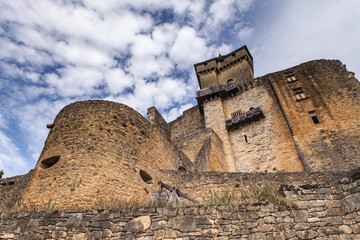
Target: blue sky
<point x="141" y="53"/>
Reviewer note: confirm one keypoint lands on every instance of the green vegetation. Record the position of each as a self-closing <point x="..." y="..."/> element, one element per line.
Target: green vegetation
<point x="1" y="173"/>
<point x="263" y="194"/>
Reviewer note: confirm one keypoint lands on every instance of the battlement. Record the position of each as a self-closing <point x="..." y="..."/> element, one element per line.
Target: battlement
<point x="211" y="72"/>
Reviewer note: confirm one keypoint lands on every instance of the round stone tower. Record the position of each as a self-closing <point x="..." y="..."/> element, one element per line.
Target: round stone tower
<point x="99" y="153"/>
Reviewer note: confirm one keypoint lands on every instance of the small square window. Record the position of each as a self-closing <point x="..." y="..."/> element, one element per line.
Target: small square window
<point x="299" y="93"/>
<point x="290" y="77"/>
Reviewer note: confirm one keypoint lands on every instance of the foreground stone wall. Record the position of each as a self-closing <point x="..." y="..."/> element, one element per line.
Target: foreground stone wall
<point x="324" y="211"/>
<point x="201" y="185"/>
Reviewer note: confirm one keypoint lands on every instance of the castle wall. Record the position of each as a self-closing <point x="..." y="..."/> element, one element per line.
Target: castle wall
<point x="188" y="132"/>
<point x="326" y="211"/>
<point x="155" y="118"/>
<point x="12" y="189"/>
<point x="211" y="155"/>
<point x="333" y="94"/>
<point x="264" y="144"/>
<point x="215" y="119"/>
<point x="106" y="153"/>
<point x="200" y="185"/>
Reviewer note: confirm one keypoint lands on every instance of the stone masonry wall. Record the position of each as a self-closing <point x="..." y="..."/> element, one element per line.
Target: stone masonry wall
<point x="265" y="144"/>
<point x="201" y="185"/>
<point x="323" y="211"/>
<point x="11" y="190"/>
<point x="333" y="94"/>
<point x="106" y="152"/>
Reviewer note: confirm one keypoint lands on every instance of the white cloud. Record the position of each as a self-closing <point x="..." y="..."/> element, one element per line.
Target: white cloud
<point x="245" y="33"/>
<point x="188" y="48"/>
<point x="3" y="122"/>
<point x="309" y="30"/>
<point x="176" y="111"/>
<point x="117" y="80"/>
<point x="75" y="81"/>
<point x="10" y="159"/>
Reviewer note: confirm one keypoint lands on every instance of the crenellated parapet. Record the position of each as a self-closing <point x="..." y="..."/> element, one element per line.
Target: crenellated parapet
<point x="220" y="90"/>
<point x="236" y="66"/>
<point x="249" y="116"/>
<point x="208" y="68"/>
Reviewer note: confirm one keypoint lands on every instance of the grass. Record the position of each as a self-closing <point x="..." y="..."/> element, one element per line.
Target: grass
<point x="256" y="195"/>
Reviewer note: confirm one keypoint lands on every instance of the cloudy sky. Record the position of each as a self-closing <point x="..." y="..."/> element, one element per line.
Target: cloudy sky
<point x="141" y="53"/>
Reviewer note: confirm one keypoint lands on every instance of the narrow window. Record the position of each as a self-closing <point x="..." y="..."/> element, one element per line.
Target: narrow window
<point x="181" y="168"/>
<point x="49" y="162"/>
<point x="314" y="117"/>
<point x="230" y="80"/>
<point x="251" y="84"/>
<point x="245" y="138"/>
<point x="146" y="177"/>
<point x="299" y="93"/>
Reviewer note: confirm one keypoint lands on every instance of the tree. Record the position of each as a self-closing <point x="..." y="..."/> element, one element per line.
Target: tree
<point x="1" y="173"/>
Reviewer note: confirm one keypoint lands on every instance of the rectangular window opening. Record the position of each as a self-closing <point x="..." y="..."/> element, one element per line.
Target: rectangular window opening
<point x="290" y="77"/>
<point x="314" y="117"/>
<point x="299" y="93"/>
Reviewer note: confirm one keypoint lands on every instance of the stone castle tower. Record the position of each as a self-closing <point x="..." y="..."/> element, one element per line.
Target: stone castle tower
<point x="305" y="118"/>
<point x="286" y="121"/>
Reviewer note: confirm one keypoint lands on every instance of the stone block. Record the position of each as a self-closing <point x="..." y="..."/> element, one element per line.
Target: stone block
<point x="76" y="236"/>
<point x="185" y="223"/>
<point x="279" y="236"/>
<point x="139" y="224"/>
<point x="300" y="215"/>
<point x="345" y="229"/>
<point x="307" y="234"/>
<point x="356" y="228"/>
<point x="210" y="233"/>
<point x="336" y="211"/>
<point x="257" y="236"/>
<point x="158" y="225"/>
<point x="302" y="226"/>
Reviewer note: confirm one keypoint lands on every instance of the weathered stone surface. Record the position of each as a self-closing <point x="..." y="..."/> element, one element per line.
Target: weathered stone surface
<point x="95" y="235"/>
<point x="170" y="233"/>
<point x="302" y="226"/>
<point x="59" y="234"/>
<point x="308" y="234"/>
<point x="300" y="215"/>
<point x="74" y="220"/>
<point x="183" y="223"/>
<point x="106" y="233"/>
<point x="352" y="202"/>
<point x="345" y="229"/>
<point x="356" y="228"/>
<point x="210" y="233"/>
<point x="257" y="236"/>
<point x="34" y="236"/>
<point x="138" y="224"/>
<point x="76" y="236"/>
<point x="25" y="226"/>
<point x="279" y="236"/>
<point x="159" y="225"/>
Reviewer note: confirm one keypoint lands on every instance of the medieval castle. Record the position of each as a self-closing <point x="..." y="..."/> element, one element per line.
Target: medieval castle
<point x="289" y="126"/>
